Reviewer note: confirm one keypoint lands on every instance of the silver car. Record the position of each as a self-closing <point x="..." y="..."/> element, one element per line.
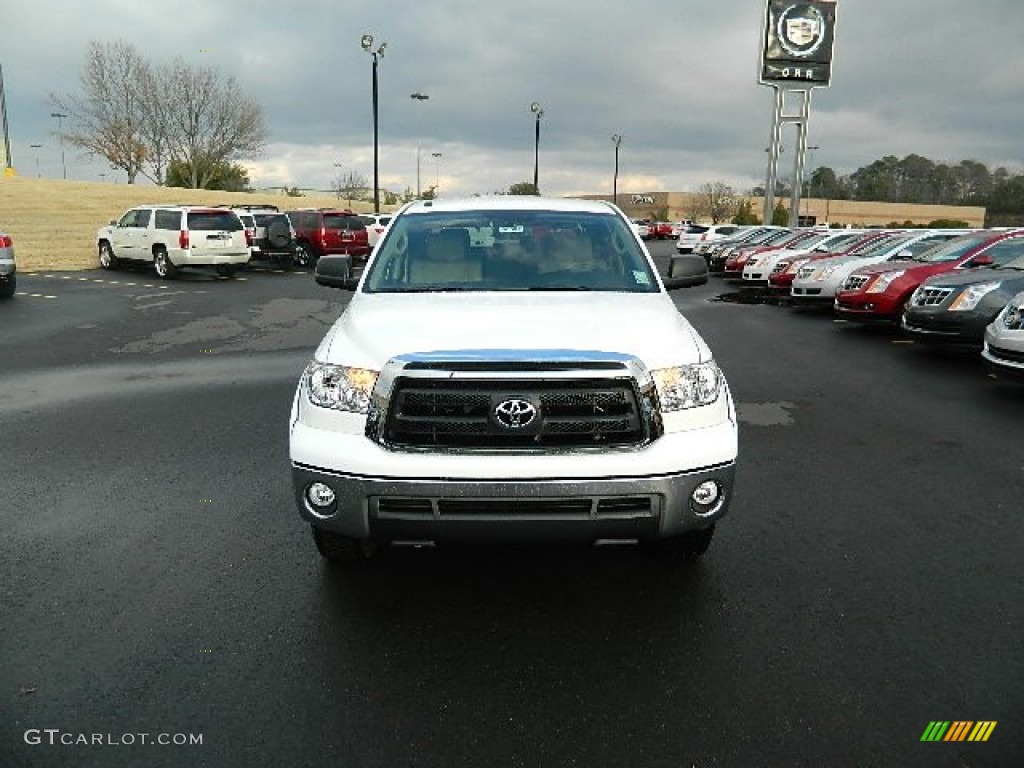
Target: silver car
<point x="8" y="280"/>
<point x="1004" y="339"/>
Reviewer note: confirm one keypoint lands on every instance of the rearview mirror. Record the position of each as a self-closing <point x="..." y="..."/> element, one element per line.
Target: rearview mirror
<point x="686" y="271"/>
<point x="335" y="272"/>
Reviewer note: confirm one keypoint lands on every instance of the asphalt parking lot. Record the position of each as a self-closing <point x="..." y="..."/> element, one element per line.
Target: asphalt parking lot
<point x="157" y="579"/>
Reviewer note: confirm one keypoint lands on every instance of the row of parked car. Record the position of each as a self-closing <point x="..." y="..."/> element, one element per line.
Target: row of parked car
<point x="962" y="287"/>
<point x="225" y="237"/>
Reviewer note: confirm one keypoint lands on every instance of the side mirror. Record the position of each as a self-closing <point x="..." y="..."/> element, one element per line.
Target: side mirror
<point x="335" y="272"/>
<point x="903" y="255"/>
<point x="981" y="260"/>
<point x="686" y="271"/>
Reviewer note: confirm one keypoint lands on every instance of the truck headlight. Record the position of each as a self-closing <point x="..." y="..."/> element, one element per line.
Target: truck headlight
<point x="688" y="386"/>
<point x="339" y="387"/>
<point x="969" y="298"/>
<point x="884" y="280"/>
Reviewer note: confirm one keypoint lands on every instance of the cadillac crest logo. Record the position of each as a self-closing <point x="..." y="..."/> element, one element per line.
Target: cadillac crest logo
<point x="801" y="30"/>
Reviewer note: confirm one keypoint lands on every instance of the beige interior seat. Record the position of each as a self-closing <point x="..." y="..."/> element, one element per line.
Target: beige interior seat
<point x="446" y="257"/>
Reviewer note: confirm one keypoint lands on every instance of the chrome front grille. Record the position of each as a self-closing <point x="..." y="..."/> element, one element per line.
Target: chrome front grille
<point x="930" y="297"/>
<point x="854" y="282"/>
<point x="426" y="403"/>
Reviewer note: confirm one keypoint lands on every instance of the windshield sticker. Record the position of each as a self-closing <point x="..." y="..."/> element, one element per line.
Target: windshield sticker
<point x="641" y="277"/>
<point x="515" y="229"/>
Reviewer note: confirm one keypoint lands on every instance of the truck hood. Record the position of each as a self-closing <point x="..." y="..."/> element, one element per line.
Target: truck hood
<point x="377" y="327"/>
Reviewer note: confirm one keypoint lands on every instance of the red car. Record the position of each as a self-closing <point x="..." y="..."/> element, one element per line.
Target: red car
<point x="878" y="293"/>
<point x="660" y="230"/>
<point x="781" y="278"/>
<point x="735" y="263"/>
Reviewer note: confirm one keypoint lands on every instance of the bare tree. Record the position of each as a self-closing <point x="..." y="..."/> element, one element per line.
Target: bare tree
<point x="141" y="118"/>
<point x="351" y="185"/>
<point x="717" y="201"/>
<point x="106" y="118"/>
<point x="210" y="120"/>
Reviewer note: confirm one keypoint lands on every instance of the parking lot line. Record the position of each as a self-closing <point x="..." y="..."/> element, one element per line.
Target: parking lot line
<point x="35" y="295"/>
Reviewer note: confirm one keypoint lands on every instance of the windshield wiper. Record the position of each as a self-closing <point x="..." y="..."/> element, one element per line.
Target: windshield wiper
<point x="558" y="288"/>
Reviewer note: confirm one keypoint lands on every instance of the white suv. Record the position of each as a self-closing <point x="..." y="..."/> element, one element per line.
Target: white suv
<point x="486" y="382"/>
<point x="698" y="233"/>
<point x="173" y="236"/>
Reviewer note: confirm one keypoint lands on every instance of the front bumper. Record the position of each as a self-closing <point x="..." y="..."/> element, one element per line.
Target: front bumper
<point x="623" y="508"/>
<point x="863" y="308"/>
<point x="941" y="326"/>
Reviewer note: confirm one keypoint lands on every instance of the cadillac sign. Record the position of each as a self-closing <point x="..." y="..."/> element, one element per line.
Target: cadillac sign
<point x="797" y="42"/>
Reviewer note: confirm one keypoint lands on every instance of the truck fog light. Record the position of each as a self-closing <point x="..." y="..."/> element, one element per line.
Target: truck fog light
<point x="706" y="493"/>
<point x="706" y="498"/>
<point x="320" y="496"/>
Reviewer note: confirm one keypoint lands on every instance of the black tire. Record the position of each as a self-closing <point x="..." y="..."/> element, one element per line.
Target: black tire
<point x="7" y="289"/>
<point x="341" y="549"/>
<point x="226" y="270"/>
<point x="163" y="265"/>
<point x="106" y="256"/>
<point x="303" y="256"/>
<point x="279" y="235"/>
<point x="692" y="544"/>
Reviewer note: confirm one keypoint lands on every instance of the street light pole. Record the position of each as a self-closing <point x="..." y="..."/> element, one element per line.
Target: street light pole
<point x="367" y="44"/>
<point x="437" y="173"/>
<point x="539" y="112"/>
<point x="60" y="132"/>
<point x="37" y="147"/>
<point x="617" y="139"/>
<point x="418" y="97"/>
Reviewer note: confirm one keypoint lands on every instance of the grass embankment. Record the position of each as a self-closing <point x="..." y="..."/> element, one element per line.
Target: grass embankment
<point x="53" y="222"/>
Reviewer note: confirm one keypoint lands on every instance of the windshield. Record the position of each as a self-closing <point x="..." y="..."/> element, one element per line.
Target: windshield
<point x="954" y="249"/>
<point x="884" y="245"/>
<point x="836" y="244"/>
<point x="1008" y="254"/>
<point x="489" y="250"/>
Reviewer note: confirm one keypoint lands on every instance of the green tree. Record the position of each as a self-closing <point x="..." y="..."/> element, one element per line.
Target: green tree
<point x="745" y="214"/>
<point x="780" y="216"/>
<point x="523" y="188"/>
<point x="216" y="174"/>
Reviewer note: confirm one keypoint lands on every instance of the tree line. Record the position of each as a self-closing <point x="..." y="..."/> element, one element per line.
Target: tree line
<point x="916" y="179"/>
<point x="175" y="124"/>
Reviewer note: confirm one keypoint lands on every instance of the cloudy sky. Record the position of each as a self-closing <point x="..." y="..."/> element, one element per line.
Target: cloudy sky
<point x="676" y="78"/>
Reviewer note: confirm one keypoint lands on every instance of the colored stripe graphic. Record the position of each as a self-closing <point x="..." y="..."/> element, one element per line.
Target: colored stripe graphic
<point x="958" y="730"/>
<point x="982" y="730"/>
<point x="935" y="731"/>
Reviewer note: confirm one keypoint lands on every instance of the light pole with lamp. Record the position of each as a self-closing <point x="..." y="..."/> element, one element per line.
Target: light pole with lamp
<point x="367" y="44"/>
<point x="37" y="147"/>
<point x="437" y="172"/>
<point x="60" y="132"/>
<point x="617" y="140"/>
<point x="418" y="97"/>
<point x="539" y="112"/>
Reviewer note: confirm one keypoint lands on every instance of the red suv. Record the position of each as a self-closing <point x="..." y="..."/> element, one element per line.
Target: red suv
<point x="879" y="292"/>
<point x="328" y="231"/>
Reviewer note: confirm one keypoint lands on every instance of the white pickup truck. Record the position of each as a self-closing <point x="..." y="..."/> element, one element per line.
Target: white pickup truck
<point x="534" y="384"/>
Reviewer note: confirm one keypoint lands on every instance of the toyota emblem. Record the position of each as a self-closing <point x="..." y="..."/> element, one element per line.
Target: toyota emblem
<point x="515" y="413"/>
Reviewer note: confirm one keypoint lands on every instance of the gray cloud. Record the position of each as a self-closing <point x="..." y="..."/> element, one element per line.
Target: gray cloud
<point x="677" y="78"/>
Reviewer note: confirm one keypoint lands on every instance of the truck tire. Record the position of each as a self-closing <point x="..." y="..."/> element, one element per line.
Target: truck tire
<point x="106" y="255"/>
<point x="163" y="265"/>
